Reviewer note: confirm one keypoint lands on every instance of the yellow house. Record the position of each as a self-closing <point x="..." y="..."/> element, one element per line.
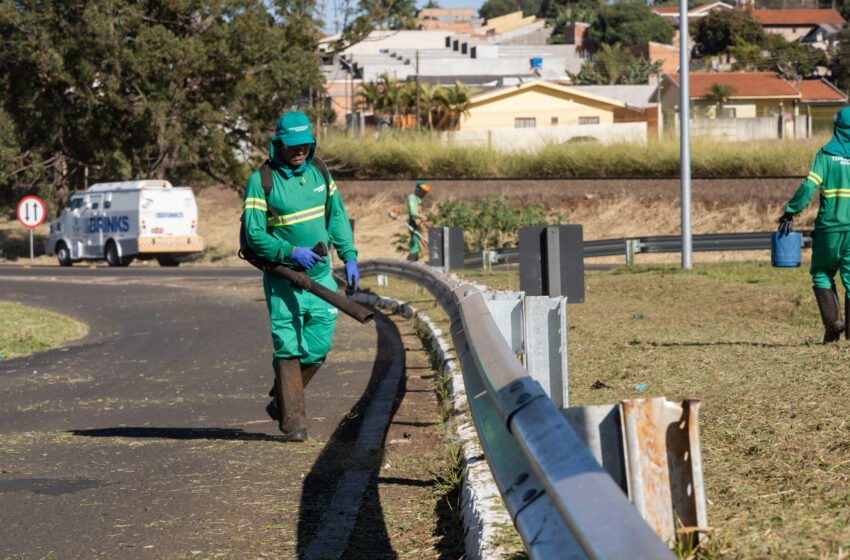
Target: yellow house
<point x="537" y="104"/>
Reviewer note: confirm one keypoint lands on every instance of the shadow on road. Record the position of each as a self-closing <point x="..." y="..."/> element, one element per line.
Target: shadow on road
<point x="369" y="537"/>
<point x="176" y="433"/>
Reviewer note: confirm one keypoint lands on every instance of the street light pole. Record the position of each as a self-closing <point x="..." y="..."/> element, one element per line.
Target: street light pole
<point x="684" y="135"/>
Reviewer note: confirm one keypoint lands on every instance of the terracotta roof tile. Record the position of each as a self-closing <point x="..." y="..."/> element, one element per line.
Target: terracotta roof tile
<point x="746" y="84"/>
<point x="819" y="90"/>
<point x="798" y="17"/>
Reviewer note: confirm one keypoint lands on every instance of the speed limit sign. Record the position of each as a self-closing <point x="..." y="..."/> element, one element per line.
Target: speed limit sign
<point x="31" y="211"/>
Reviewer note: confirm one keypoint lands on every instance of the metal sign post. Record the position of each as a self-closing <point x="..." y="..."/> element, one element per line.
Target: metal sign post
<point x="31" y="213"/>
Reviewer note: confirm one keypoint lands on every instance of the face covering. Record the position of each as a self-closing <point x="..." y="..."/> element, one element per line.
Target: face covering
<point x="840" y="143"/>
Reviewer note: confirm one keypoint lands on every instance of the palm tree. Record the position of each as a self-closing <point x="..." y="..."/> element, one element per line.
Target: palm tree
<point x="370" y="96"/>
<point x="613" y="61"/>
<point x="392" y="93"/>
<point x="428" y="99"/>
<point x="720" y="93"/>
<point x="456" y="101"/>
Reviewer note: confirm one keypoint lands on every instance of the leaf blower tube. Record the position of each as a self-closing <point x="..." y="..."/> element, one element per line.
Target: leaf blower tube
<point x="301" y="281"/>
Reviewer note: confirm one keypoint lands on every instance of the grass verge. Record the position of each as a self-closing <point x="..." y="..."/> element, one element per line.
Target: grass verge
<point x="26" y="330"/>
<point x="400" y="154"/>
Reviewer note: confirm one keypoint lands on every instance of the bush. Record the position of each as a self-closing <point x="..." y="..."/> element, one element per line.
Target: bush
<point x="491" y="222"/>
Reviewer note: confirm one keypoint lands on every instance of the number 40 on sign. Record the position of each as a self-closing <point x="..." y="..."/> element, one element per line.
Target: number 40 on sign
<point x="31" y="214"/>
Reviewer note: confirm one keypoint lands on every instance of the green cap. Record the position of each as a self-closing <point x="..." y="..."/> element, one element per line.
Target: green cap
<point x="293" y="129"/>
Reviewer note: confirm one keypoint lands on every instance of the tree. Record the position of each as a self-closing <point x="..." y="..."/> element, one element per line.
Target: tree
<point x="495" y="8"/>
<point x="629" y="23"/>
<point x="402" y="15"/>
<point x="584" y="12"/>
<point x="798" y="58"/>
<point x="721" y="93"/>
<point x="455" y="102"/>
<point x="120" y="89"/>
<point x="839" y="65"/>
<point x="614" y="65"/>
<point x="721" y="29"/>
<point x="747" y="56"/>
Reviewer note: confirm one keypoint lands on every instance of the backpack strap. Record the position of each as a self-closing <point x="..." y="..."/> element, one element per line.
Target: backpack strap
<point x="323" y="169"/>
<point x="267" y="182"/>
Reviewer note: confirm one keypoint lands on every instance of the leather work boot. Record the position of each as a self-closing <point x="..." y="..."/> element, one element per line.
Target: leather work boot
<point x="413" y="256"/>
<point x="289" y="399"/>
<point x="308" y="371"/>
<point x="830" y="313"/>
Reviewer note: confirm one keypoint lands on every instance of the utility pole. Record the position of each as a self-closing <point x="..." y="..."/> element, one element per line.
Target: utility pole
<point x="418" y="117"/>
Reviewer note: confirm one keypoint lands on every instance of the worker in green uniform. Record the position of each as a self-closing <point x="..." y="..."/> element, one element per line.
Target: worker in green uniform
<point x="416" y="218"/>
<point x="830" y="176"/>
<point x="309" y="211"/>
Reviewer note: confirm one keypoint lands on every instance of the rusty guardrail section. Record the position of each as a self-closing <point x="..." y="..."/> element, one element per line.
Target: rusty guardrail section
<point x="561" y="499"/>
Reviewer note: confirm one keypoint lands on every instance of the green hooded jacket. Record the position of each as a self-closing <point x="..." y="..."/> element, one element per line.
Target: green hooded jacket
<point x="309" y="210"/>
<point x="830" y="176"/>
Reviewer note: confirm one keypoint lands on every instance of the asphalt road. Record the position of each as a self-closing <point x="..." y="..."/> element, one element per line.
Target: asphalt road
<point x="148" y="438"/>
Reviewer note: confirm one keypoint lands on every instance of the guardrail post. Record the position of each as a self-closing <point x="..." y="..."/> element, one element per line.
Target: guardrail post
<point x="546" y="346"/>
<point x="445" y="247"/>
<point x="535" y="328"/>
<point x="630" y="251"/>
<point x="551" y="260"/>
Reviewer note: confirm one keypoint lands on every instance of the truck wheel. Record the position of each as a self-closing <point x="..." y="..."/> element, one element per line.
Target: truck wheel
<point x="168" y="261"/>
<point x="63" y="254"/>
<point x="112" y="258"/>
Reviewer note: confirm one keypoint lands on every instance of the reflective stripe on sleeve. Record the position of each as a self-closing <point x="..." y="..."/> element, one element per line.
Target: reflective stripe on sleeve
<point x="815" y="178"/>
<point x="303" y="216"/>
<point x="256" y="203"/>
<point x="332" y="188"/>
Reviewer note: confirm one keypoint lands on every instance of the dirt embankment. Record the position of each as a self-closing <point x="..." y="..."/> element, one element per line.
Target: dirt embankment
<point x="606" y="208"/>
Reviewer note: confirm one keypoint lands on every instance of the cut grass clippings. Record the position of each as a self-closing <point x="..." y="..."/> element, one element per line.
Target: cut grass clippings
<point x="26" y="330"/>
<point x="745" y="339"/>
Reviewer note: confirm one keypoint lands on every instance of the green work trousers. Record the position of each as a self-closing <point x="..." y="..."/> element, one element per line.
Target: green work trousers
<point x="830" y="254"/>
<point x="414" y="239"/>
<point x="302" y="323"/>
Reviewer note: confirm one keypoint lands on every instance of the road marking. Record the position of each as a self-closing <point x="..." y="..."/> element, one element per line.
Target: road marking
<point x="338" y="520"/>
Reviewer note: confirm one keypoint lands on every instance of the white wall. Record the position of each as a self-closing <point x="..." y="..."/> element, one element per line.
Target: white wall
<point x="534" y="138"/>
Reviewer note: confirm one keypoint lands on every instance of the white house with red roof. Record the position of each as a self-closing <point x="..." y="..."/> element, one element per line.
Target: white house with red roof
<point x="796" y="24"/>
<point x="808" y="105"/>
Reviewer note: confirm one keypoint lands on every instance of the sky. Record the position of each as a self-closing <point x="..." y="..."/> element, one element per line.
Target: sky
<point x="448" y="4"/>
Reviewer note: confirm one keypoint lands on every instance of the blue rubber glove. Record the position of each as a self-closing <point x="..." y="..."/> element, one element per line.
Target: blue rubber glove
<point x="352" y="274"/>
<point x="305" y="257"/>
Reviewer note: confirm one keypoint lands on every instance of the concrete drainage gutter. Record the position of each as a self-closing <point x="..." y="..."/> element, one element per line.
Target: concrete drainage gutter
<point x="483" y="514"/>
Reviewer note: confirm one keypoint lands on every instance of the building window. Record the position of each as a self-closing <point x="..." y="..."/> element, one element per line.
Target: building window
<point x="525" y="122"/>
<point x="588" y="120"/>
<point x="554" y="121"/>
<point x="726" y="113"/>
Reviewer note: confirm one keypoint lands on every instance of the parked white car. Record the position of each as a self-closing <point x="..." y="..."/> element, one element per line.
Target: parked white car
<point x="124" y="220"/>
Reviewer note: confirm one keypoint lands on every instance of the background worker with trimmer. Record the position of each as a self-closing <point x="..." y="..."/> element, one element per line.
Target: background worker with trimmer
<point x="416" y="218"/>
<point x="830" y="176"/>
<point x="291" y="226"/>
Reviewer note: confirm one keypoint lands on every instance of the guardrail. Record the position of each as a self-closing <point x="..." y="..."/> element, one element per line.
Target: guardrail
<point x="563" y="503"/>
<point x="631" y="246"/>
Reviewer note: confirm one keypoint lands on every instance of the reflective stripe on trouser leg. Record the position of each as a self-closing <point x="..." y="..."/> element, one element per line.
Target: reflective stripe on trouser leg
<point x="830" y="253"/>
<point x="302" y="324"/>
